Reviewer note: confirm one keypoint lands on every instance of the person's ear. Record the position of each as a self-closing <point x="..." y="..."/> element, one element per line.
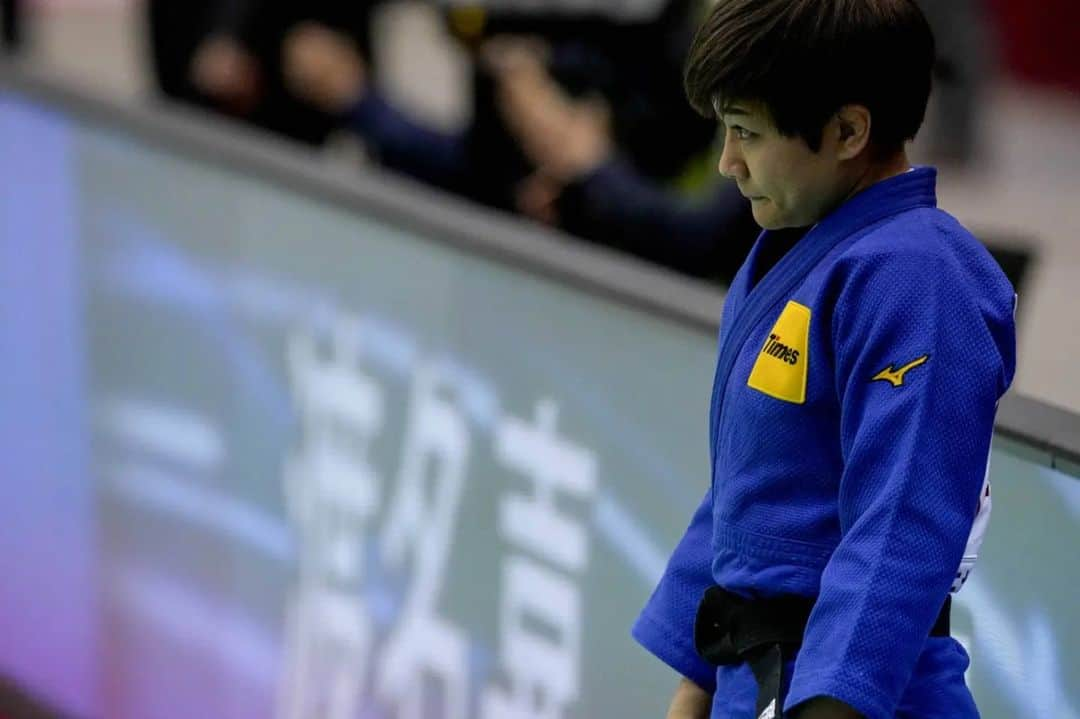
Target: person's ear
<point x="852" y="127"/>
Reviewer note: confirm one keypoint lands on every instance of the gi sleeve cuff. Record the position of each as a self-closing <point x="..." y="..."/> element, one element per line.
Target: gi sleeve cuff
<point x="662" y="642"/>
<point x="859" y="695"/>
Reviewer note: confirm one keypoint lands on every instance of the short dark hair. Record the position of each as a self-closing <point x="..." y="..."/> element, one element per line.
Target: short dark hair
<point x="805" y="59"/>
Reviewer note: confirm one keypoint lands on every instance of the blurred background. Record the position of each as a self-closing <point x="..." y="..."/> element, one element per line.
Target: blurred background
<point x="354" y="357"/>
<point x="1003" y="127"/>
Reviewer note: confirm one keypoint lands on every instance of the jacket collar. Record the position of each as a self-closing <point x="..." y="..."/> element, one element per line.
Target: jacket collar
<point x="915" y="188"/>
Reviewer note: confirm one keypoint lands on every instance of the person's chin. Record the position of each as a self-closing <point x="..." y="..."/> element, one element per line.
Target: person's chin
<point x="765" y="216"/>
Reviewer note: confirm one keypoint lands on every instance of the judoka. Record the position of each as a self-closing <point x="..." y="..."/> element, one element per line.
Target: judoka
<point x="863" y="348"/>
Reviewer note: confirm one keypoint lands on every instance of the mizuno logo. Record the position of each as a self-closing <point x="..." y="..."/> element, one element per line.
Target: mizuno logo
<point x="895" y="377"/>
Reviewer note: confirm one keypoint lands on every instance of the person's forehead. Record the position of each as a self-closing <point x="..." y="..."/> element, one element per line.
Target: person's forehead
<point x="738" y="109"/>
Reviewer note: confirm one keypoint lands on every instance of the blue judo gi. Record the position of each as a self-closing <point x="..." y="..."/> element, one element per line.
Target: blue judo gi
<point x="850" y="428"/>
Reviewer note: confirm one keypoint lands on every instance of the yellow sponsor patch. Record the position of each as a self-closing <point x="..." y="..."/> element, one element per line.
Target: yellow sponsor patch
<point x="780" y="369"/>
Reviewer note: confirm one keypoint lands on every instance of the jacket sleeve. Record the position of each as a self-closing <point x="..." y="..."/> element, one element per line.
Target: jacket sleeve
<point x="666" y="625"/>
<point x="705" y="237"/>
<point x="406" y="146"/>
<point x="915" y="451"/>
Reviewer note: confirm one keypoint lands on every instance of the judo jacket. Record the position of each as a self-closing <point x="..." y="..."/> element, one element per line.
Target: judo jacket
<point x="850" y="426"/>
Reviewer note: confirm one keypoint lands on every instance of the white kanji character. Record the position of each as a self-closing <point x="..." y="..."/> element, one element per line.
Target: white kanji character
<point x="554" y="465"/>
<point x="418" y="532"/>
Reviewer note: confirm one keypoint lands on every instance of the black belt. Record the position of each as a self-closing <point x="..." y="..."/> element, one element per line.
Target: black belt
<point x="730" y="629"/>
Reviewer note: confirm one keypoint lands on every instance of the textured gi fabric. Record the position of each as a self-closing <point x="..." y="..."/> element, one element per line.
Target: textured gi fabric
<point x="864" y="493"/>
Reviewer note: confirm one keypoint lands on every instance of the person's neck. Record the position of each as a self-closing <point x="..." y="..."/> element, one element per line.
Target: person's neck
<point x="874" y="172"/>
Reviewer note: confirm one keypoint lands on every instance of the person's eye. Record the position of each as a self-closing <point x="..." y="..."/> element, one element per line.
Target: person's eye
<point x="741" y="132"/>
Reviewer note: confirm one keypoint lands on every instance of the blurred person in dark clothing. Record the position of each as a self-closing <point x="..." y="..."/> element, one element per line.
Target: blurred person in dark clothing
<point x="11" y="29"/>
<point x="587" y="55"/>
<point x="959" y="79"/>
<point x="225" y="55"/>
<point x="582" y="184"/>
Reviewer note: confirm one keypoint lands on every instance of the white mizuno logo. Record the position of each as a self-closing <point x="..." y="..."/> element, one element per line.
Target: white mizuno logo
<point x="769" y="711"/>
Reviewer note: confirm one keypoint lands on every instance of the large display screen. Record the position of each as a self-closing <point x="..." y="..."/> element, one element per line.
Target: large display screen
<point x="266" y="457"/>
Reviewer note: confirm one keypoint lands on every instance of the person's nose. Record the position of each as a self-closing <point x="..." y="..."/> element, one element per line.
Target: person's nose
<point x="731" y="163"/>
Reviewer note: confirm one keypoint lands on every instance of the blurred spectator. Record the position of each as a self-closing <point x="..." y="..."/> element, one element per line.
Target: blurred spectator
<point x="225" y="55"/>
<point x="582" y="184"/>
<point x="629" y="76"/>
<point x="959" y="79"/>
<point x="10" y="25"/>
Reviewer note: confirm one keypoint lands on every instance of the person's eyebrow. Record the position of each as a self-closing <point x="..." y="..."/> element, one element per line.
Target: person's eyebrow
<point x="730" y="111"/>
<point x="735" y="112"/>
